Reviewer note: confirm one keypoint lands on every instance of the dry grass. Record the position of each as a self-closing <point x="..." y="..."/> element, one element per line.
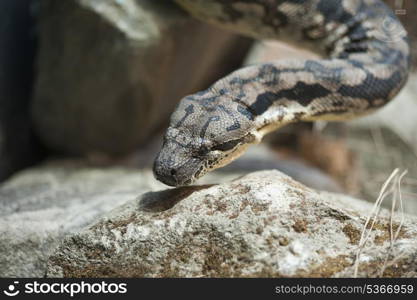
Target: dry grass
<point x="391" y="187"/>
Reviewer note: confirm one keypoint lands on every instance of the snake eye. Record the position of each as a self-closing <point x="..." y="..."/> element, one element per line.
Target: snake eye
<point x="227" y="146"/>
<point x="202" y="151"/>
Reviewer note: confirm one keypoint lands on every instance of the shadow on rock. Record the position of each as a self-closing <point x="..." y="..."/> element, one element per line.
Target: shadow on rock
<point x="164" y="200"/>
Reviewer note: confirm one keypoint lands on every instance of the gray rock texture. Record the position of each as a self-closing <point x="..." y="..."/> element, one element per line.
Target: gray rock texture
<point x="42" y="205"/>
<point x="39" y="207"/>
<point x="111" y="72"/>
<point x="261" y="225"/>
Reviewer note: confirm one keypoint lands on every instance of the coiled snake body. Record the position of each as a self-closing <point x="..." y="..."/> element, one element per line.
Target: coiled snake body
<point x="366" y="65"/>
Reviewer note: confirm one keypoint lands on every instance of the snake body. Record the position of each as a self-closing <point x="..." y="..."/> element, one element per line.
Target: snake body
<point x="365" y="63"/>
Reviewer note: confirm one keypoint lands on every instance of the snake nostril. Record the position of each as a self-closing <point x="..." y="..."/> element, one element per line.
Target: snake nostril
<point x="173" y="172"/>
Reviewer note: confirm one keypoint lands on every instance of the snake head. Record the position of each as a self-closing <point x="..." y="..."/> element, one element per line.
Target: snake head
<point x="203" y="135"/>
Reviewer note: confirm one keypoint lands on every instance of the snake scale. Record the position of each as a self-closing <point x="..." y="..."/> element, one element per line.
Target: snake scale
<point x="365" y="63"/>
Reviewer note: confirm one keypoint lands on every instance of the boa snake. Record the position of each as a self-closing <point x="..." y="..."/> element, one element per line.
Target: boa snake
<point x="365" y="63"/>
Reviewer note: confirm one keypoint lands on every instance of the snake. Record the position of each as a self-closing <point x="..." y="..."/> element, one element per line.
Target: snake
<point x="363" y="62"/>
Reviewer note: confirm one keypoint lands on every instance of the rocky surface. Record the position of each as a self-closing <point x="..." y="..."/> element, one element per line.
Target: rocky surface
<point x="18" y="147"/>
<point x="111" y="72"/>
<point x="263" y="224"/>
<point x="40" y="206"/>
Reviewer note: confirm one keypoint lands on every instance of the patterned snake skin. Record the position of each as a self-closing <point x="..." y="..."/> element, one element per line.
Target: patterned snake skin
<point x="366" y="62"/>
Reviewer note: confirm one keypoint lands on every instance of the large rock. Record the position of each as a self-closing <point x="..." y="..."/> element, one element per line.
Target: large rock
<point x="39" y="207"/>
<point x="264" y="224"/>
<point x="42" y="205"/>
<point x="18" y="147"/>
<point x="111" y="72"/>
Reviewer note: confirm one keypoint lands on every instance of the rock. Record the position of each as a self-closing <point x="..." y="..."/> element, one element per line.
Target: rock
<point x="42" y="205"/>
<point x="18" y="147"/>
<point x="261" y="225"/>
<point x="39" y="207"/>
<point x="111" y="72"/>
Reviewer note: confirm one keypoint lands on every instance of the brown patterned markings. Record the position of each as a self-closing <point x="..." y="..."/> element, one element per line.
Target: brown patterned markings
<point x="215" y="205"/>
<point x="240" y="188"/>
<point x="255" y="207"/>
<point x="283" y="241"/>
<point x="385" y="227"/>
<point x="329" y="267"/>
<point x="352" y="233"/>
<point x="300" y="226"/>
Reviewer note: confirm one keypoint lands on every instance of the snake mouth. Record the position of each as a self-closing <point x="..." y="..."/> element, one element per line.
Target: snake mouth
<point x="177" y="166"/>
<point x="186" y="173"/>
<point x="178" y="174"/>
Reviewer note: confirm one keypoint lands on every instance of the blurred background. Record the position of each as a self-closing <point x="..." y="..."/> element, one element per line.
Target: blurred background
<point x="90" y="85"/>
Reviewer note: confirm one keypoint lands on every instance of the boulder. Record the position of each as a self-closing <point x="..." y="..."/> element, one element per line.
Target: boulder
<point x="261" y="225"/>
<point x="109" y="73"/>
<point x="40" y="206"/>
